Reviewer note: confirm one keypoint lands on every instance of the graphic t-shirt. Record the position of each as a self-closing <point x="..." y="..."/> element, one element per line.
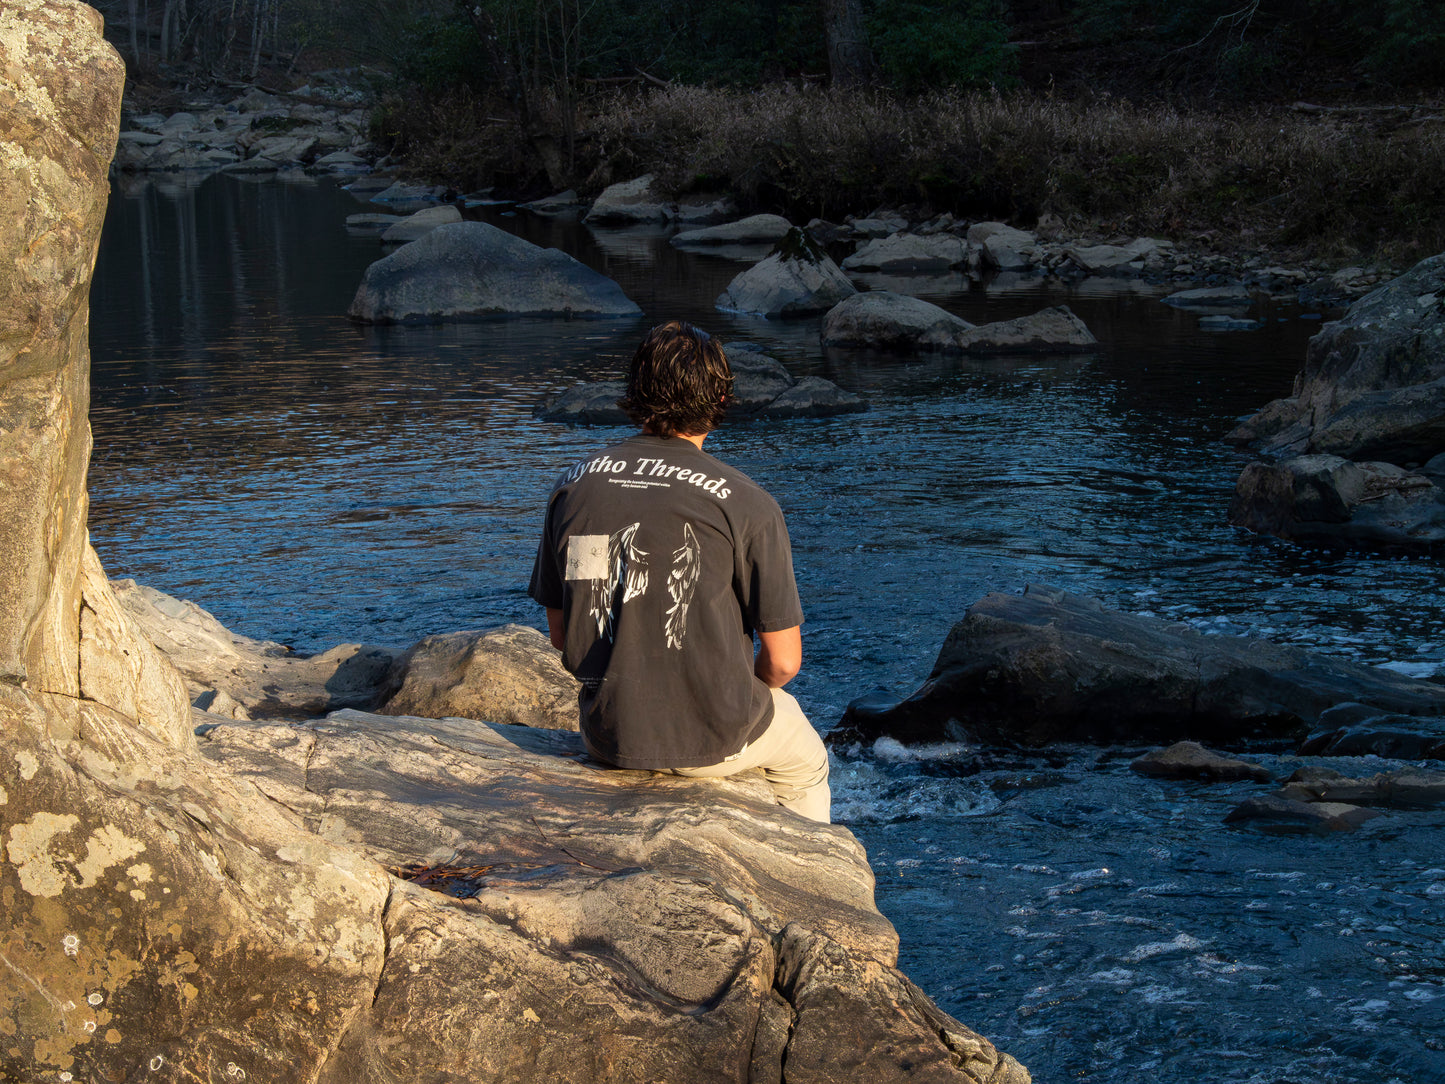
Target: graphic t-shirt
<point x="664" y="561"/>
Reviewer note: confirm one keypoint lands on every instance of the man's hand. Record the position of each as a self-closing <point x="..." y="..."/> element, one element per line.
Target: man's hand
<point x="556" y="631"/>
<point x="780" y="656"/>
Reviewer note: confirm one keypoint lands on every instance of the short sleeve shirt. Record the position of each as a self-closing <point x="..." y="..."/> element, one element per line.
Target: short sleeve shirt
<point x="664" y="561"/>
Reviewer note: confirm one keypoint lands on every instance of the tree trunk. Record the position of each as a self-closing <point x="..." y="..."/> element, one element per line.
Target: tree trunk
<point x="850" y="61"/>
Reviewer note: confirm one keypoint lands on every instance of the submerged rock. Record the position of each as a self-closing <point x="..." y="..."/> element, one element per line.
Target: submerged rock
<point x="755" y="229"/>
<point x="1290" y="816"/>
<point x="470" y="269"/>
<point x="797" y="279"/>
<point x="1190" y="760"/>
<point x="1048" y="666"/>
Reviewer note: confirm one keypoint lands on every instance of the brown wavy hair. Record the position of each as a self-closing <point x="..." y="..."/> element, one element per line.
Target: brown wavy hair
<point x="679" y="381"/>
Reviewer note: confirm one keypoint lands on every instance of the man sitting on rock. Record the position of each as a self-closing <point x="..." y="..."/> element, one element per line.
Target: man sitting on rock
<point x="657" y="565"/>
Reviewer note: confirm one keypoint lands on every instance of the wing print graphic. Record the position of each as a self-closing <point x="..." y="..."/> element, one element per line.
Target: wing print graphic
<point x="626" y="572"/>
<point x="681" y="582"/>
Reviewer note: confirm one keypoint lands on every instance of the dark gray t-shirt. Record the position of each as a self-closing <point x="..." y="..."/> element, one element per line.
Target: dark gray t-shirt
<point x="664" y="560"/>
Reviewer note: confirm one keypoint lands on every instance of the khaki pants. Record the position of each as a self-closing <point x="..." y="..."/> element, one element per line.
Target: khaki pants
<point x="792" y="757"/>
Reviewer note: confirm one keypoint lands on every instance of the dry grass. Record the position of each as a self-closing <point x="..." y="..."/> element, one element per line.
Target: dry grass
<point x="1326" y="186"/>
<point x="1337" y="187"/>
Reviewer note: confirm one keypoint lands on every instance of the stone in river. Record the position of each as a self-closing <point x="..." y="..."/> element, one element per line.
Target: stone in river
<point x="1373" y="385"/>
<point x="471" y="270"/>
<point x="421" y="223"/>
<point x="1054" y="330"/>
<point x="1289" y="816"/>
<point x="1211" y="297"/>
<point x="797" y="279"/>
<point x="1325" y="500"/>
<point x="1412" y="788"/>
<point x="1353" y="730"/>
<point x="756" y="229"/>
<point x="908" y="252"/>
<point x="814" y="397"/>
<point x="630" y="202"/>
<point x="1190" y="760"/>
<point x="883" y="320"/>
<point x="1048" y="666"/>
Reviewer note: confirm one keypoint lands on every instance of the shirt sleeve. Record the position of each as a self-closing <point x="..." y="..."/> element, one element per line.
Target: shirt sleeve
<point x="546" y="585"/>
<point x="766" y="587"/>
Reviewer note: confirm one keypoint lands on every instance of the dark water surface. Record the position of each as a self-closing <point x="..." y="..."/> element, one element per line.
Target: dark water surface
<point x="313" y="482"/>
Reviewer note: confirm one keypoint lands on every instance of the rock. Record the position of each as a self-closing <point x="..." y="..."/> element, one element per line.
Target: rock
<point x="1114" y="259"/>
<point x="372" y="222"/>
<point x="756" y="229"/>
<point x="420" y="224"/>
<point x="631" y="201"/>
<point x="562" y="203"/>
<point x="1228" y="323"/>
<point x="1323" y="500"/>
<point x="879" y="225"/>
<point x="902" y="252"/>
<point x="252" y="166"/>
<point x="285" y="149"/>
<point x="471" y="269"/>
<point x="814" y="397"/>
<point x="261" y="679"/>
<point x="341" y="161"/>
<point x="398" y="192"/>
<point x="1055" y="330"/>
<point x="1373" y="385"/>
<point x="881" y="320"/>
<point x="1190" y="760"/>
<point x="592" y="403"/>
<point x="797" y="279"/>
<point x="1285" y="816"/>
<point x="506" y="675"/>
<point x="1211" y="297"/>
<point x="1049" y="666"/>
<point x="707" y="210"/>
<point x="887" y="321"/>
<point x="998" y="254"/>
<point x="761" y="386"/>
<point x="1410" y="789"/>
<point x="1005" y="235"/>
<point x="1359" y="730"/>
<point x="757" y="378"/>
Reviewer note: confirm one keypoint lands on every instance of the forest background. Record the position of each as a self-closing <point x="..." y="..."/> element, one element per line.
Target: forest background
<point x="1310" y="129"/>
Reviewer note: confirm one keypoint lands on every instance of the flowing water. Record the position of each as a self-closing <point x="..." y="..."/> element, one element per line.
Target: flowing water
<point x="314" y="482"/>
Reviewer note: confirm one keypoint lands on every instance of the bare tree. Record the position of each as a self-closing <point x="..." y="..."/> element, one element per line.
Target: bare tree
<point x="850" y="61"/>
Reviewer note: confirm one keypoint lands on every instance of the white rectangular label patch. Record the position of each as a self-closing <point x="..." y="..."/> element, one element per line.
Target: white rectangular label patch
<point x="587" y="557"/>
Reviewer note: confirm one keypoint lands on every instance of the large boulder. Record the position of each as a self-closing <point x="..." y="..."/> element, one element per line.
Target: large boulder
<point x="882" y="320"/>
<point x="909" y="252"/>
<point x="797" y="279"/>
<point x="629" y="202"/>
<point x="1373" y="384"/>
<point x="470" y="270"/>
<point x="506" y="675"/>
<point x="1049" y="666"/>
<point x="1323" y="500"/>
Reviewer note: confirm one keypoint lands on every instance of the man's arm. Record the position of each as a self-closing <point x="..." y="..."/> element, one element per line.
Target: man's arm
<point x="555" y="630"/>
<point x="780" y="656"/>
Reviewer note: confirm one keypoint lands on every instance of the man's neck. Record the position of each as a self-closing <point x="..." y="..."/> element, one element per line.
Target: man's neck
<point x="694" y="439"/>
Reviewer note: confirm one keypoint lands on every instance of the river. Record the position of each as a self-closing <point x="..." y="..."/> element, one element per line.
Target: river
<point x="313" y="482"/>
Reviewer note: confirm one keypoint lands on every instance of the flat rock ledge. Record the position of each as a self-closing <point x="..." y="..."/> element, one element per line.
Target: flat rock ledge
<point x="471" y="270"/>
<point x="882" y="320"/>
<point x="1048" y="666"/>
<point x="762" y="388"/>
